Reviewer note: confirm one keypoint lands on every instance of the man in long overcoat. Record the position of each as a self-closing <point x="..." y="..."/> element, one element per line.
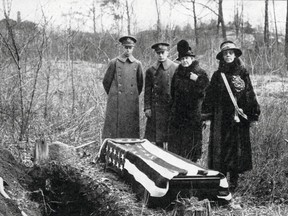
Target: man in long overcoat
<point x="157" y="97"/>
<point x="123" y="83"/>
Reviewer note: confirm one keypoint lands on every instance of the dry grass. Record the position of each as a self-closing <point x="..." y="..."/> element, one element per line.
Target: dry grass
<point x="262" y="191"/>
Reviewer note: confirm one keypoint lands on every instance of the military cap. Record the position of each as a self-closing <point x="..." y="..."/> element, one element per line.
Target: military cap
<point x="127" y="40"/>
<point x="160" y="47"/>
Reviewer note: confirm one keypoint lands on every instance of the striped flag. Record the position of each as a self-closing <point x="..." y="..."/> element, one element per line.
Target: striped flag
<point x="154" y="167"/>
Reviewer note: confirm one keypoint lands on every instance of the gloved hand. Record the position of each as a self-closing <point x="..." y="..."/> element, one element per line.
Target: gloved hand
<point x="148" y="113"/>
<point x="193" y="76"/>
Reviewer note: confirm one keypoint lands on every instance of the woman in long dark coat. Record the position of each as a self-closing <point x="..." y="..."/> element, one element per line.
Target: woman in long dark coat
<point x="229" y="145"/>
<point x="187" y="90"/>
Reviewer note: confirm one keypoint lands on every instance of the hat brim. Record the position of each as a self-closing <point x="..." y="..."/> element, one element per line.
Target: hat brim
<point x="128" y="45"/>
<point x="237" y="51"/>
<point x="124" y="42"/>
<point x="179" y="57"/>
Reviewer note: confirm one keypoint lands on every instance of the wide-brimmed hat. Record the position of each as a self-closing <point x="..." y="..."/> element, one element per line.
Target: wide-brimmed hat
<point x="228" y="45"/>
<point x="160" y="47"/>
<point x="128" y="40"/>
<point x="184" y="50"/>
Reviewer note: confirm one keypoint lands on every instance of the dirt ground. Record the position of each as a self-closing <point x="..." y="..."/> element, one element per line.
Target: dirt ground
<point x="36" y="191"/>
<point x="16" y="181"/>
<point x="55" y="188"/>
<point x="71" y="183"/>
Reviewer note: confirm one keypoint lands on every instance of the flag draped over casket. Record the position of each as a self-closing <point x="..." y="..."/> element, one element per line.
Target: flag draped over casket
<point x="155" y="168"/>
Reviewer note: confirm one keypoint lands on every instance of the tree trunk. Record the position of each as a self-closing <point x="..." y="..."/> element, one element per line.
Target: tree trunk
<point x="242" y="23"/>
<point x="266" y="25"/>
<point x="47" y="79"/>
<point x="158" y="19"/>
<point x="275" y="23"/>
<point x="195" y="24"/>
<point x="286" y="37"/>
<point x="94" y="18"/>
<point x="14" y="53"/>
<point x="128" y="18"/>
<point x="237" y="19"/>
<point x="221" y="21"/>
<point x="72" y="84"/>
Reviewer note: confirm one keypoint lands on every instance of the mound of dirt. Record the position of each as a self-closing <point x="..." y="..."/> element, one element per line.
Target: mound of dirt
<point x="15" y="185"/>
<point x="67" y="184"/>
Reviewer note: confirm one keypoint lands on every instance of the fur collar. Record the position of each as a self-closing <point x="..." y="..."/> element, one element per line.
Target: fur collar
<point x="233" y="68"/>
<point x="185" y="71"/>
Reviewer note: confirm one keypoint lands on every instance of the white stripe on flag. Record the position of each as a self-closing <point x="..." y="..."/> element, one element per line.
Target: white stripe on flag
<point x="223" y="183"/>
<point x="192" y="169"/>
<point x="163" y="171"/>
<point x="228" y="197"/>
<point x="212" y="172"/>
<point x="170" y="158"/>
<point x="147" y="183"/>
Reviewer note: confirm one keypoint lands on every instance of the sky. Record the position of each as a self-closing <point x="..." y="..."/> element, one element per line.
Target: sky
<point x="57" y="13"/>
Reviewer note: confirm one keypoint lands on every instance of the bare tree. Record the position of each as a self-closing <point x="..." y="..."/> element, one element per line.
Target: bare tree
<point x="196" y="17"/>
<point x="14" y="53"/>
<point x="266" y="24"/>
<point x="238" y="18"/>
<point x="128" y="18"/>
<point x="70" y="59"/>
<point x="115" y="9"/>
<point x="121" y="11"/>
<point x="286" y="37"/>
<point x="93" y="10"/>
<point x="242" y="21"/>
<point x="221" y="20"/>
<point x="158" y="25"/>
<point x="275" y="23"/>
<point x="185" y="4"/>
<point x="195" y="23"/>
<point x="20" y="46"/>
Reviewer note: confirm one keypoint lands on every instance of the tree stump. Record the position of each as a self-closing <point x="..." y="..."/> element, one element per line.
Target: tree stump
<point x="41" y="151"/>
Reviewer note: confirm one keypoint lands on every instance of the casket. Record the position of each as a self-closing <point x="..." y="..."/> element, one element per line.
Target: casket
<point x="160" y="176"/>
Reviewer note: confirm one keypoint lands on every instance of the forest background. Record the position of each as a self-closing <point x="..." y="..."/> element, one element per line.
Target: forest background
<point x="50" y="77"/>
